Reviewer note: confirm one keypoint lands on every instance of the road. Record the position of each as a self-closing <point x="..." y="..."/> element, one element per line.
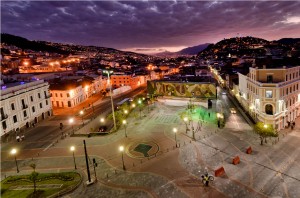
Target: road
<point x="46" y="132"/>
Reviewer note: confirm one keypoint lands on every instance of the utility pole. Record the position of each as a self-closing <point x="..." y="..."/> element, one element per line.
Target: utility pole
<point x="87" y="162"/>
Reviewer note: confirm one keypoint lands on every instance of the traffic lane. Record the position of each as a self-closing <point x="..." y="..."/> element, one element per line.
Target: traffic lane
<point x="106" y="104"/>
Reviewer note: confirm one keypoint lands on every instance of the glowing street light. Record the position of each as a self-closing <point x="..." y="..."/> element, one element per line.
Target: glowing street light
<point x="175" y="131"/>
<point x="265" y="126"/>
<point x="81" y="113"/>
<point x="72" y="148"/>
<point x="121" y="148"/>
<point x="125" y="125"/>
<point x="133" y="105"/>
<point x="126" y="111"/>
<point x="71" y="121"/>
<point x="111" y="99"/>
<point x="102" y="120"/>
<point x="14" y="152"/>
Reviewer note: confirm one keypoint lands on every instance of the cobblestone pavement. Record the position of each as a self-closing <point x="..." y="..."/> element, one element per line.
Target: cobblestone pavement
<point x="272" y="170"/>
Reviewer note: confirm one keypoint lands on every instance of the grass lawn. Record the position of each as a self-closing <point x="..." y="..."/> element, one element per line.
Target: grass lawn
<point x="44" y="187"/>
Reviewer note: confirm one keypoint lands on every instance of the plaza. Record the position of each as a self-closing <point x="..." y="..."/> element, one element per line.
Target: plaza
<point x="155" y="167"/>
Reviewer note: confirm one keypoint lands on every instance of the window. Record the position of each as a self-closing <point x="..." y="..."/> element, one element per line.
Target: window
<point x="15" y="119"/>
<point x="4" y="126"/>
<point x="33" y="109"/>
<point x="45" y="93"/>
<point x="31" y="98"/>
<point x="61" y="95"/>
<point x="39" y="95"/>
<point x="269" y="109"/>
<point x="68" y="95"/>
<point x="269" y="79"/>
<point x="55" y="94"/>
<point x="12" y="106"/>
<point x="25" y="113"/>
<point x="46" y="102"/>
<point x="69" y="103"/>
<point x="41" y="105"/>
<point x="269" y="94"/>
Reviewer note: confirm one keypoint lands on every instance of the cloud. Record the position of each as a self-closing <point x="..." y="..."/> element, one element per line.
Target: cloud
<point x="149" y="24"/>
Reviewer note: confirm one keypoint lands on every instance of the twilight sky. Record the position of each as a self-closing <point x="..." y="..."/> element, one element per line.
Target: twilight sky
<point x="149" y="26"/>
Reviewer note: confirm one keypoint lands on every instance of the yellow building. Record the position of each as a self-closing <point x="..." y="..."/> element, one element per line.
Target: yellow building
<point x="274" y="95"/>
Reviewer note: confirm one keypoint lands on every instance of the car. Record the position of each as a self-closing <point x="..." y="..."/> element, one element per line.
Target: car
<point x="103" y="129"/>
<point x="232" y="110"/>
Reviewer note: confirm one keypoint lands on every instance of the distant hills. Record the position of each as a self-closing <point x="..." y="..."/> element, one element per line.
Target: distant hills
<point x="59" y="48"/>
<point x="250" y="46"/>
<point x="24" y="43"/>
<point x="186" y="51"/>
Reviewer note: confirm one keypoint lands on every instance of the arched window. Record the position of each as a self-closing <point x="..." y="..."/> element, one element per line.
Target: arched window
<point x="269" y="109"/>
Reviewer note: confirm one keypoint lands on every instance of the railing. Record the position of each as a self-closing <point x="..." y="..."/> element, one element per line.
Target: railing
<point x="24" y="106"/>
<point x="4" y="116"/>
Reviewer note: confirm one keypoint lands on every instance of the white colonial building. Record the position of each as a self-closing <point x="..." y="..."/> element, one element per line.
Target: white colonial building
<point x="23" y="104"/>
<point x="272" y="94"/>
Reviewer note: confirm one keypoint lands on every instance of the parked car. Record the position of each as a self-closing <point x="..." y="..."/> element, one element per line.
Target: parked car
<point x="103" y="129"/>
<point x="232" y="110"/>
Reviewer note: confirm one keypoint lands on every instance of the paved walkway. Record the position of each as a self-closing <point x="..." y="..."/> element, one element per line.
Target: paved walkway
<point x="175" y="172"/>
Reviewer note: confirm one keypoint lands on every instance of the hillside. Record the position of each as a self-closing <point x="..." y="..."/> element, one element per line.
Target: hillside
<point x="23" y="43"/>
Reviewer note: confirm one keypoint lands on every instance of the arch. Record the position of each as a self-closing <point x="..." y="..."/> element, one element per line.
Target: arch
<point x="269" y="109"/>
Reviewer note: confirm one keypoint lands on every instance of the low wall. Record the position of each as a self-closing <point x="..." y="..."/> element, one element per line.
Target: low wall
<point x="182" y="102"/>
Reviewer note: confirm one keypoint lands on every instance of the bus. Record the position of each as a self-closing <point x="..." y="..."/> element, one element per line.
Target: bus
<point x="126" y="100"/>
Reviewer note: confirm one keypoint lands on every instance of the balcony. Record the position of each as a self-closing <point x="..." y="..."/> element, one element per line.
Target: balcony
<point x="4" y="116"/>
<point x="24" y="106"/>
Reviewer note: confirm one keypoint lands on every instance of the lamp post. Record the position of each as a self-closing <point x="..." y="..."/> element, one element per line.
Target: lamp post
<point x="125" y="111"/>
<point x="14" y="152"/>
<point x="265" y="126"/>
<point x="121" y="148"/>
<point x="111" y="99"/>
<point x="125" y="123"/>
<point x="81" y="114"/>
<point x="72" y="148"/>
<point x="140" y="103"/>
<point x="175" y="131"/>
<point x="185" y="119"/>
<point x="71" y="120"/>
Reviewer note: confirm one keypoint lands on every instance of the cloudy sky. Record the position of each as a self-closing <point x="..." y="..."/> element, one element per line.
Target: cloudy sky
<point x="149" y="26"/>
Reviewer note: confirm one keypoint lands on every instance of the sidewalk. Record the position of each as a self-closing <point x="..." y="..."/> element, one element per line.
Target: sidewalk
<point x="87" y="104"/>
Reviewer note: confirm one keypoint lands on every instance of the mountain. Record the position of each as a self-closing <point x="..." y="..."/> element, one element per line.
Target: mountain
<point x="23" y="43"/>
<point x="239" y="46"/>
<point x="186" y="51"/>
<point x="288" y="41"/>
<point x="193" y="50"/>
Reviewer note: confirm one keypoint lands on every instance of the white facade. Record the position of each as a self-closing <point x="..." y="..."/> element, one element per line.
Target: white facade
<point x="274" y="95"/>
<point x="23" y="104"/>
<point x="68" y="97"/>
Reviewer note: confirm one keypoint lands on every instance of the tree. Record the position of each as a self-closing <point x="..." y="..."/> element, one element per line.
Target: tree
<point x="33" y="176"/>
<point x="264" y="131"/>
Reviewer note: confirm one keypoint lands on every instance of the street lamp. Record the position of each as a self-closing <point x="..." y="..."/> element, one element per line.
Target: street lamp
<point x="111" y="99"/>
<point x="102" y="120"/>
<point x="121" y="148"/>
<point x="72" y="148"/>
<point x="14" y="152"/>
<point x="126" y="111"/>
<point x="133" y="105"/>
<point x="185" y="119"/>
<point x="71" y="120"/>
<point x="265" y="126"/>
<point x="125" y="123"/>
<point x="175" y="131"/>
<point x="140" y="103"/>
<point x="81" y="113"/>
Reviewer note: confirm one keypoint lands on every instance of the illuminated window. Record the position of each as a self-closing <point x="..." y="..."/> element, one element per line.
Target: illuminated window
<point x="269" y="94"/>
